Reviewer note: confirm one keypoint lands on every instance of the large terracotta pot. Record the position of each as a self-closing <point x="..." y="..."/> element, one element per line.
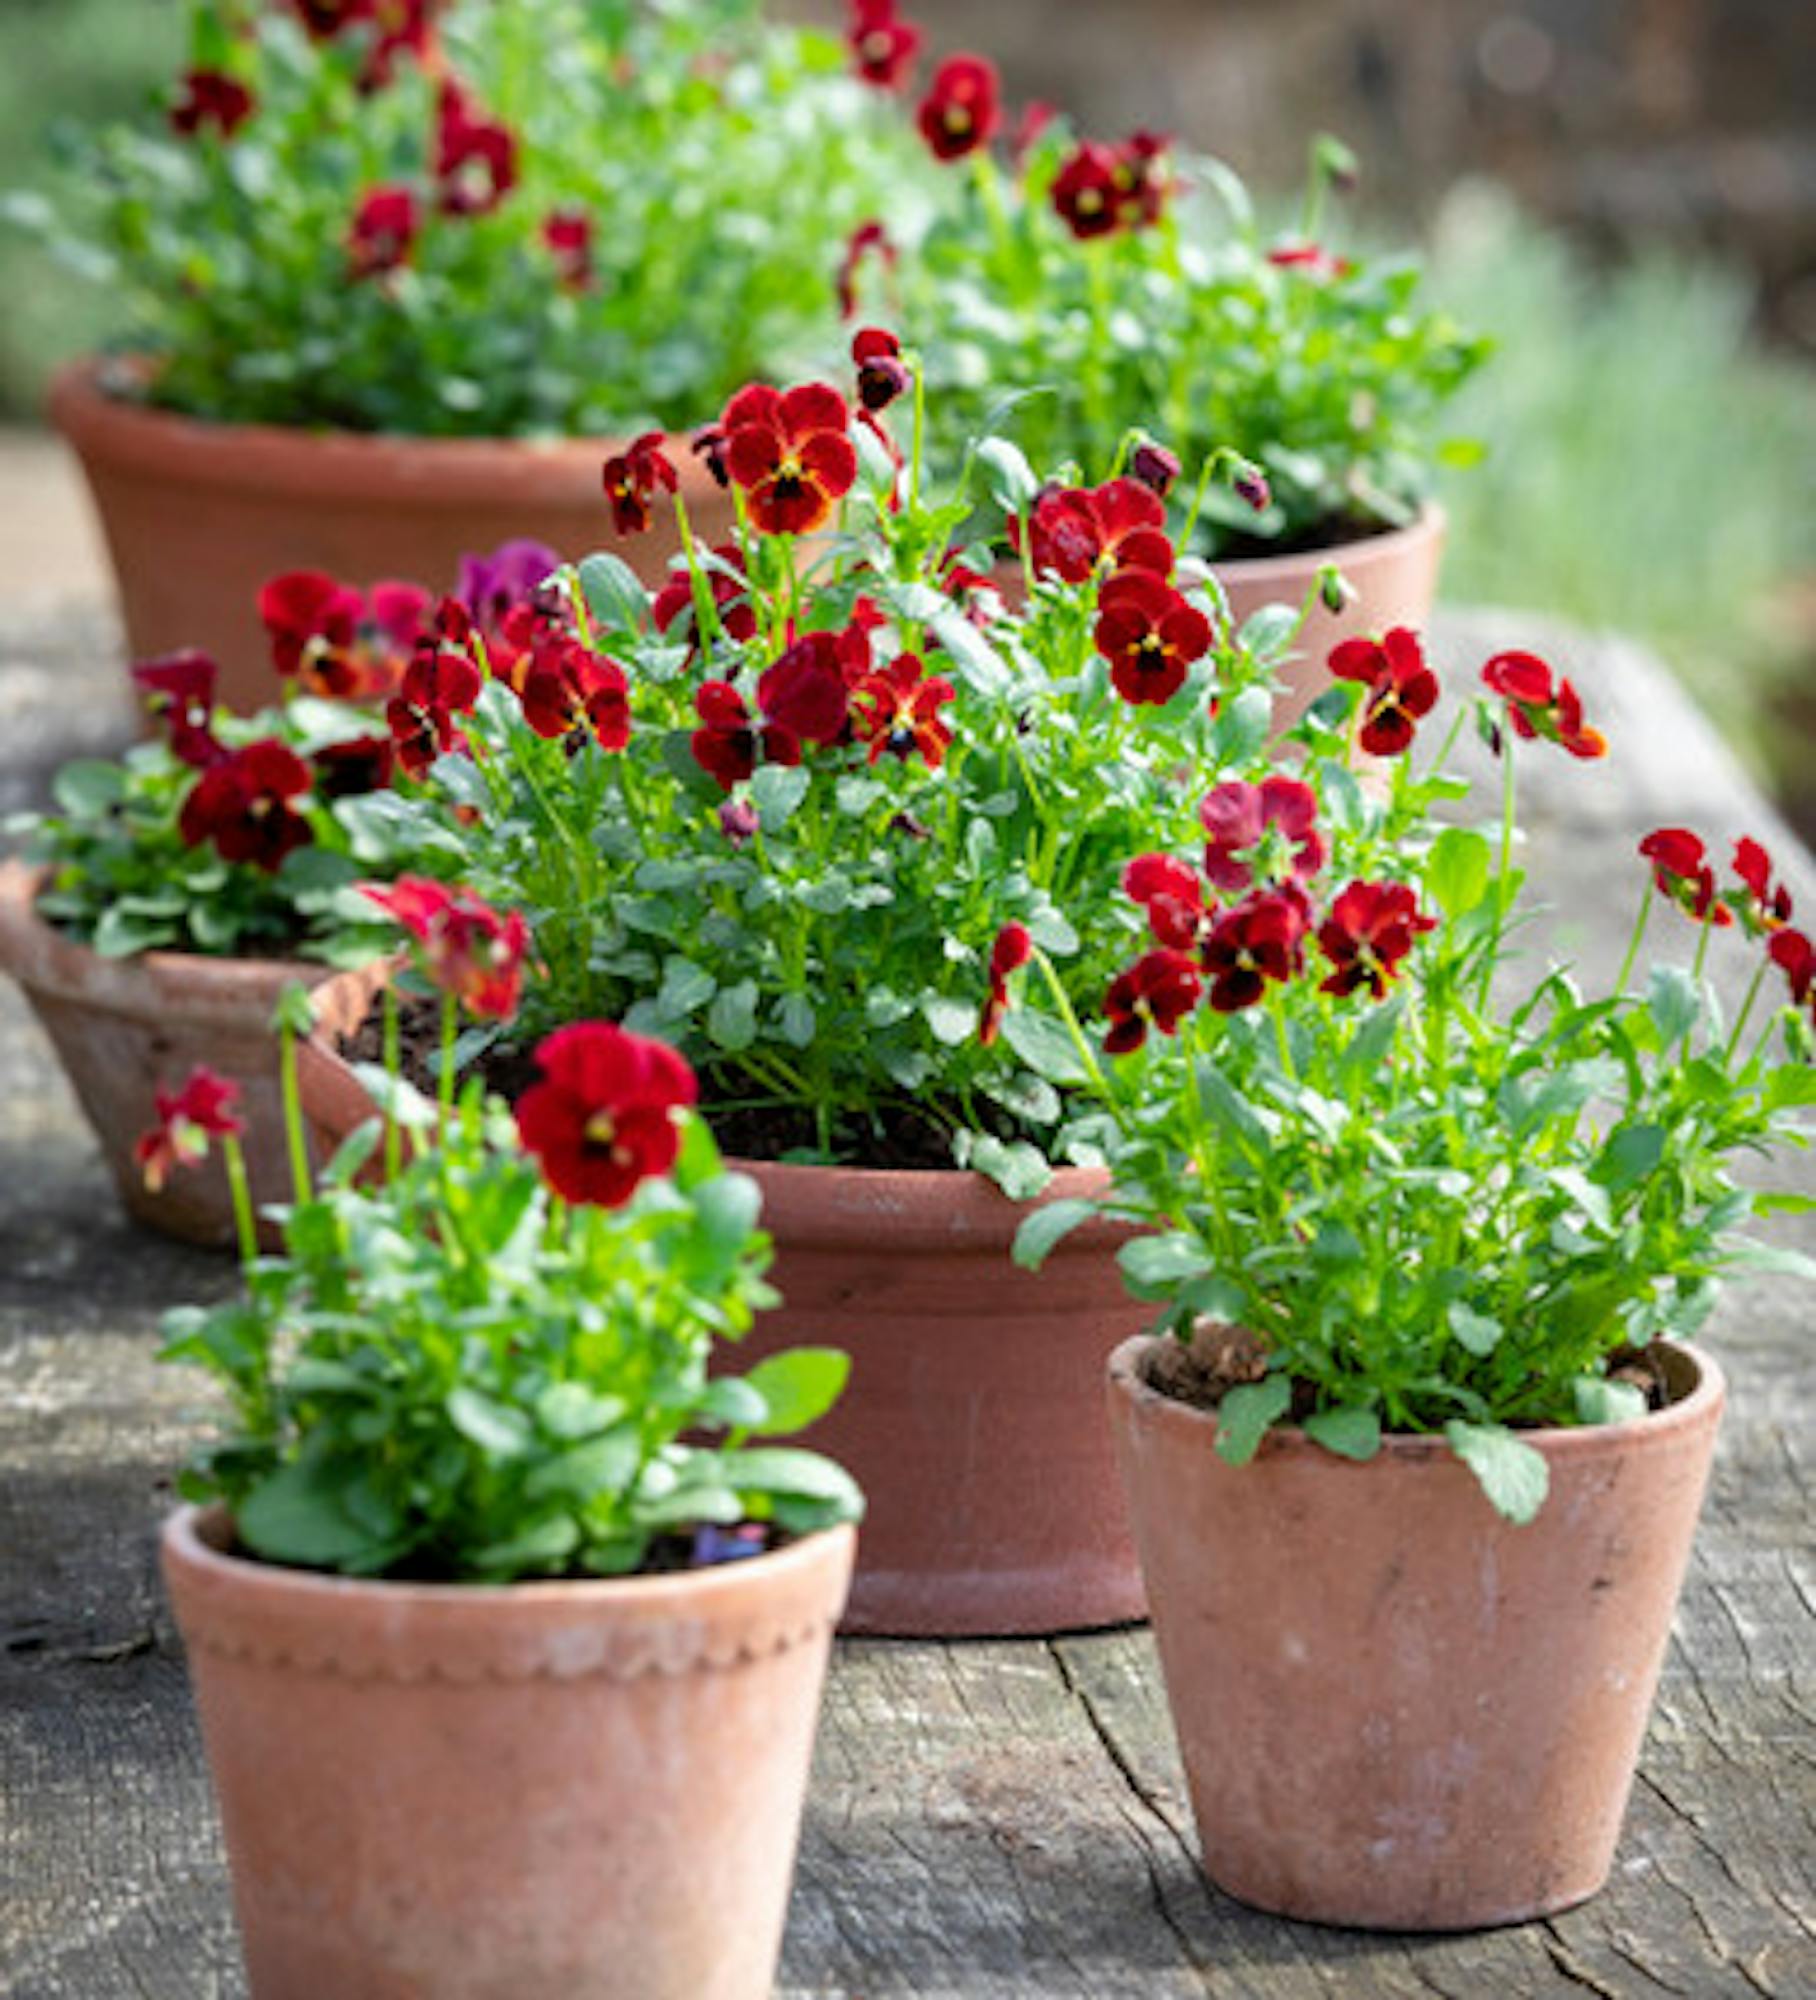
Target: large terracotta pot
<point x="124" y="1028"/>
<point x="974" y="1415"/>
<point x="450" y="1792"/>
<point x="198" y="515"/>
<point x="1395" y="1709"/>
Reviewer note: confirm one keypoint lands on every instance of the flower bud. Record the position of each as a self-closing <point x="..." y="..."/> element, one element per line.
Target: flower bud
<point x="738" y="821"/>
<point x="1249" y="483"/>
<point x="1335" y="591"/>
<point x="1155" y="466"/>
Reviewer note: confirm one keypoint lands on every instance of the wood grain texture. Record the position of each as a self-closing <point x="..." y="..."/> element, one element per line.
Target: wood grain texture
<point x="986" y="1819"/>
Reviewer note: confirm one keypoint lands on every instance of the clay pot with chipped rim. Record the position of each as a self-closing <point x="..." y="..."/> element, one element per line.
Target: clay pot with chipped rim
<point x="125" y="1028"/>
<point x="492" y="1792"/>
<point x="1397" y="1710"/>
<point x="973" y="1418"/>
<point x="198" y="515"/>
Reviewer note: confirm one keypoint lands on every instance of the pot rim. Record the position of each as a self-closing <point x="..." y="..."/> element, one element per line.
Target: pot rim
<point x="1360" y="552"/>
<point x="1703" y="1404"/>
<point x="440" y="472"/>
<point x="43" y="959"/>
<point x="192" y="1536"/>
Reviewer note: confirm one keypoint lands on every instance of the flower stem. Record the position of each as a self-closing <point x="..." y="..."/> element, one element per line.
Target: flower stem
<point x="294" y="1134"/>
<point x="244" y="1225"/>
<point x="394" y="1134"/>
<point x="1638" y="937"/>
<point x="1746" y="1010"/>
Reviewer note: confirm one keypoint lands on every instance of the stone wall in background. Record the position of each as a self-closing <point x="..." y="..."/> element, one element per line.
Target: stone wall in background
<point x="1693" y="119"/>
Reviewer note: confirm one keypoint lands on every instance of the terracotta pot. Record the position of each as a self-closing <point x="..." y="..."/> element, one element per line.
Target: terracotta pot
<point x="447" y="1792"/>
<point x="125" y="1027"/>
<point x="198" y="515"/>
<point x="1395" y="1709"/>
<point x="974" y="1415"/>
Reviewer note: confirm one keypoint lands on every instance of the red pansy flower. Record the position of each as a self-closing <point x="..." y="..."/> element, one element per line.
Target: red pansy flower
<point x="1401" y="688"/>
<point x="438" y="685"/>
<point x="868" y="239"/>
<point x="1370" y="929"/>
<point x="1767" y="906"/>
<point x="466" y="947"/>
<point x="187" y="1119"/>
<point x="1158" y="991"/>
<point x="895" y="710"/>
<point x="1013" y="948"/>
<point x="567" y="691"/>
<point x="354" y="767"/>
<point x="962" y="107"/>
<point x="604" y="1117"/>
<point x="975" y="593"/>
<point x="1074" y="530"/>
<point x="1538" y="708"/>
<point x="475" y="156"/>
<point x="383" y="231"/>
<point x="730" y="743"/>
<point x="313" y="622"/>
<point x="179" y="691"/>
<point x="242" y="804"/>
<point x="1310" y="260"/>
<point x="567" y="235"/>
<point x="1261" y="939"/>
<point x="634" y="477"/>
<point x="1178" y="912"/>
<point x="1150" y="635"/>
<point x="807" y="691"/>
<point x="210" y="97"/>
<point x="1681" y="872"/>
<point x="405" y="27"/>
<point x="1087" y="192"/>
<point x="1795" y="957"/>
<point x="1239" y="817"/>
<point x="790" y="453"/>
<point x="325" y="19"/>
<point x="883" y="47"/>
<point x="1143" y="181"/>
<point x="882" y="374"/>
<point x="730" y="588"/>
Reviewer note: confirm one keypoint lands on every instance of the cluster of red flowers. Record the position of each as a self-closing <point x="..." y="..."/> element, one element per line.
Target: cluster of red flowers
<point x="205" y="1108"/>
<point x="1760" y="902"/>
<point x="1100" y="189"/>
<point x="338" y="642"/>
<point x="1541" y="705"/>
<point x="962" y="109"/>
<point x="467" y="949"/>
<point x="1263" y="847"/>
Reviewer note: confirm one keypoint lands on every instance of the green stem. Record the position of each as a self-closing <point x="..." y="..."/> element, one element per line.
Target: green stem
<point x="1636" y="939"/>
<point x="394" y="1134"/>
<point x="294" y="1133"/>
<point x="1746" y="1010"/>
<point x="244" y="1225"/>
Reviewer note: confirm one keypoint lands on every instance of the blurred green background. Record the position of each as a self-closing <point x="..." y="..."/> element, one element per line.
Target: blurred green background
<point x="1651" y="413"/>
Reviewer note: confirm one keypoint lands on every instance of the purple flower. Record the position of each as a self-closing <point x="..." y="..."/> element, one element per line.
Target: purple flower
<point x="724" y="1545"/>
<point x="490" y="585"/>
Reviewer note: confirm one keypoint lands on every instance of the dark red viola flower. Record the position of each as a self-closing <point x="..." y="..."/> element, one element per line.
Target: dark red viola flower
<point x="568" y="691"/>
<point x="1155" y="466"/>
<point x="808" y="690"/>
<point x="383" y="231"/>
<point x="674" y="602"/>
<point x="1401" y="688"/>
<point x="634" y="477"/>
<point x="791" y="454"/>
<point x="325" y="19"/>
<point x="1795" y="956"/>
<point x="1370" y="929"/>
<point x="405" y="28"/>
<point x="962" y="108"/>
<point x="1144" y="180"/>
<point x="604" y="1117"/>
<point x="475" y="156"/>
<point x="1272" y="824"/>
<point x="1538" y="708"/>
<point x="1261" y="939"/>
<point x="1681" y="873"/>
<point x="1178" y="912"/>
<point x="730" y="742"/>
<point x="1310" y="260"/>
<point x="1087" y="192"/>
<point x="211" y="98"/>
<point x="883" y="46"/>
<point x="438" y="685"/>
<point x="882" y="374"/>
<point x="242" y="804"/>
<point x="354" y="767"/>
<point x="1158" y="991"/>
<point x="467" y="949"/>
<point x="567" y="235"/>
<point x="205" y="1108"/>
<point x="490" y="587"/>
<point x="313" y="622"/>
<point x="1012" y="949"/>
<point x="1074" y="531"/>
<point x="895" y="711"/>
<point x="868" y="239"/>
<point x="708" y="446"/>
<point x="1150" y="635"/>
<point x="1767" y="904"/>
<point x="975" y="593"/>
<point x="179" y="692"/>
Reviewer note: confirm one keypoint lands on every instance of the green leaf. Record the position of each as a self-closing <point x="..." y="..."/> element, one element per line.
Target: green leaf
<point x="570" y="1410"/>
<point x="1458" y="870"/>
<point x="545" y="1546"/>
<point x="122" y="935"/>
<point x="685" y="987"/>
<point x="1008" y="475"/>
<point x="1246" y="1412"/>
<point x="728" y="1207"/>
<point x="1042" y="1231"/>
<point x="1599" y="1401"/>
<point x="1512" y="1473"/>
<point x="799" y="1385"/>
<point x="294" y="1010"/>
<point x="1155" y="1265"/>
<point x="781" y="1469"/>
<point x="1045" y="1046"/>
<point x="1629" y="1157"/>
<point x="1350" y="1432"/>
<point x="614" y="597"/>
<point x="298" y="1515"/>
<point x="1673" y="1002"/>
<point x="86" y="787"/>
<point x="730" y="1401"/>
<point x="605" y="1464"/>
<point x="953" y="1022"/>
<point x="731" y="1020"/>
<point x="777" y="791"/>
<point x="796" y="1021"/>
<point x="1019" y="1169"/>
<point x="495" y="1427"/>
<point x="1479" y="1333"/>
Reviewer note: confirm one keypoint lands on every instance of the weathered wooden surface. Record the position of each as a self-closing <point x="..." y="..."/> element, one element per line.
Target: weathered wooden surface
<point x="986" y="1819"/>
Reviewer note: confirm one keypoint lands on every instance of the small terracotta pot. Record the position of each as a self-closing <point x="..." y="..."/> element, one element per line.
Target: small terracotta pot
<point x="973" y="1419"/>
<point x="124" y="1028"/>
<point x="449" y="1792"/>
<point x="198" y="515"/>
<point x="1395" y="1709"/>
